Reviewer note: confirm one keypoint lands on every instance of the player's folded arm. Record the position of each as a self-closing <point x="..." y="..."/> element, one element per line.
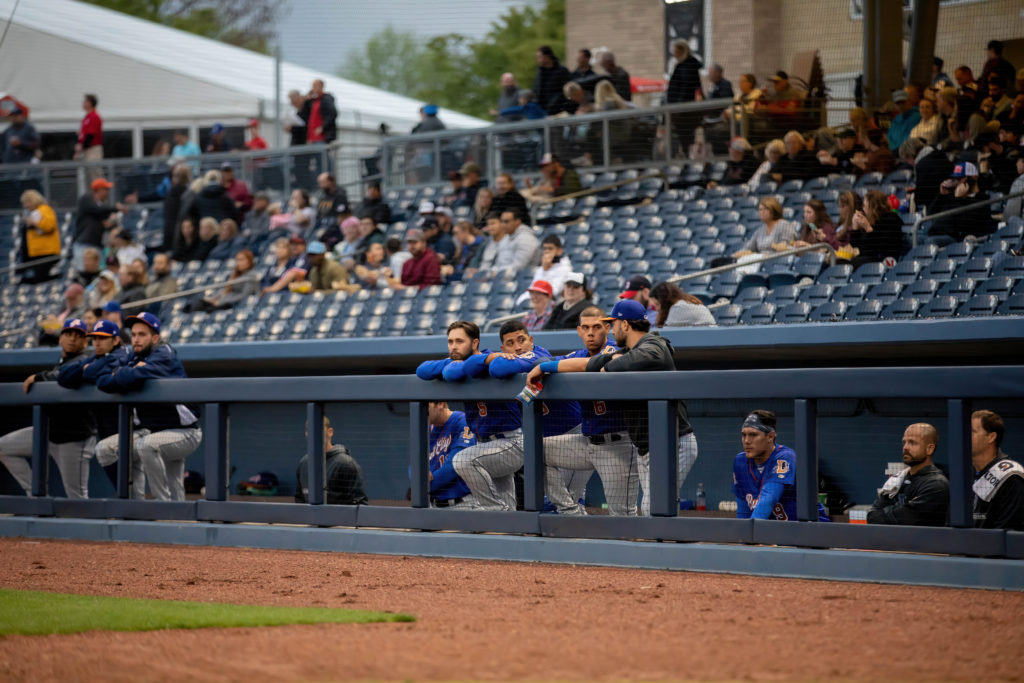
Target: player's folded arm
<point x="771" y="494"/>
<point x="432" y="369"/>
<point x="70" y="376"/>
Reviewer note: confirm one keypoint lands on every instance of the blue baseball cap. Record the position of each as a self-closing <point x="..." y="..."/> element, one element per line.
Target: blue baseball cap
<point x="316" y="248"/>
<point x="627" y="309"/>
<point x="76" y="324"/>
<point x="112" y="307"/>
<point x="217" y="128"/>
<point x="430" y="109"/>
<point x="105" y="328"/>
<point x="146" y="319"/>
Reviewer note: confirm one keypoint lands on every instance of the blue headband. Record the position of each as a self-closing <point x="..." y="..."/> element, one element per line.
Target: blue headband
<point x="753" y="421"/>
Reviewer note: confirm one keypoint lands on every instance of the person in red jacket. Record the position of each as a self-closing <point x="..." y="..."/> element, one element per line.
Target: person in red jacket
<point x="423" y="269"/>
<point x="90" y="136"/>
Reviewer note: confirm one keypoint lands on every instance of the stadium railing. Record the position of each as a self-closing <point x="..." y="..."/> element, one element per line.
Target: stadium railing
<point x="804" y="386"/>
<point x="795" y="251"/>
<point x="927" y="218"/>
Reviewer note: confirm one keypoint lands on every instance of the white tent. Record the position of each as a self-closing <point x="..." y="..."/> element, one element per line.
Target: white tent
<point x="148" y="76"/>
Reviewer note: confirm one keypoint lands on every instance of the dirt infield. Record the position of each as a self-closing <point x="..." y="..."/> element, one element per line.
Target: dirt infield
<point x="494" y="621"/>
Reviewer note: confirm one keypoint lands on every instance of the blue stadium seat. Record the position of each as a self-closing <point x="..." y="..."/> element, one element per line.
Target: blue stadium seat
<point x="941" y="269"/>
<point x="922" y="290"/>
<point x="981" y="305"/>
<point x="750" y="296"/>
<point x="939" y="307"/>
<point x="835" y="275"/>
<point x="690" y="264"/>
<point x="901" y="309"/>
<point x="1000" y="287"/>
<point x="977" y="267"/>
<point x="784" y="295"/>
<point x="781" y="278"/>
<point x="865" y="310"/>
<point x="869" y="273"/>
<point x="1013" y="231"/>
<point x="900" y="176"/>
<point x="728" y="314"/>
<point x="886" y="292"/>
<point x="819" y="183"/>
<point x="851" y="294"/>
<point x="1014" y="305"/>
<point x="726" y="284"/>
<point x="925" y="253"/>
<point x="869" y="180"/>
<point x="958" y="251"/>
<point x="752" y="280"/>
<point x="905" y="272"/>
<point x="793" y="313"/>
<point x="1011" y="266"/>
<point x="815" y="295"/>
<point x="760" y="314"/>
<point x="960" y="288"/>
<point x="832" y="311"/>
<point x="810" y="265"/>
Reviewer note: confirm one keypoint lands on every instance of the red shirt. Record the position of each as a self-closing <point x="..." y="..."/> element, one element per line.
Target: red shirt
<point x="423" y="270"/>
<point x="315" y="122"/>
<point x="256" y="143"/>
<point x="92" y="125"/>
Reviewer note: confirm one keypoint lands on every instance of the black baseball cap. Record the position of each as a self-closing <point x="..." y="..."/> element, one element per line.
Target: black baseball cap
<point x="634" y="285"/>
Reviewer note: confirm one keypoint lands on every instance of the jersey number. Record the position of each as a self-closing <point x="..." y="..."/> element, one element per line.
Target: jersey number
<point x="481" y="408"/>
<point x="600" y="408"/>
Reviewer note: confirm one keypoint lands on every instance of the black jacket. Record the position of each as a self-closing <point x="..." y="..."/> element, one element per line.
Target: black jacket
<point x="85" y="371"/>
<point x="172" y="214"/>
<point x="213" y="202"/>
<point x="130" y="374"/>
<point x="510" y="201"/>
<point x="885" y="240"/>
<point x="801" y="167"/>
<point x="1006" y="509"/>
<point x="328" y="114"/>
<point x="343" y="477"/>
<point x="685" y="81"/>
<point x="548" y="84"/>
<point x="563" y="318"/>
<point x="652" y="353"/>
<point x="923" y="500"/>
<point x="738" y="172"/>
<point x="71" y="422"/>
<point x="377" y="209"/>
<point x="929" y="172"/>
<point x="89" y="226"/>
<point x="428" y="124"/>
<point x="977" y="221"/>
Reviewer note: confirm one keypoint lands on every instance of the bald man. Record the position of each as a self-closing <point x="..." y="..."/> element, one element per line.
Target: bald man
<point x="919" y="495"/>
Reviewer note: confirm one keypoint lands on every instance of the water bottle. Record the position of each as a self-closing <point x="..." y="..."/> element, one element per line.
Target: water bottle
<point x="702" y="497"/>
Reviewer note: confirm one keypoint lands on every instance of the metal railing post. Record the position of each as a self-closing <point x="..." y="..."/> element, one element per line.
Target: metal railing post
<point x="492" y="159"/>
<point x="418" y="454"/>
<point x="533" y="456"/>
<point x="606" y="148"/>
<point x="805" y="444"/>
<point x="547" y="136"/>
<point x="216" y="450"/>
<point x="664" y="458"/>
<point x="40" y="449"/>
<point x="669" y="142"/>
<point x="961" y="471"/>
<point x="125" y="449"/>
<point x="437" y="160"/>
<point x="317" y="458"/>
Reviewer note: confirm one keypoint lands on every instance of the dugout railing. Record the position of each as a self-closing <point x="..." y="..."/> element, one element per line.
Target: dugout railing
<point x="805" y="387"/>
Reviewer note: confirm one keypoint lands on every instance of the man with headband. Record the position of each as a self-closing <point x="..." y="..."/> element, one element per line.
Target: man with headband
<point x="919" y="494"/>
<point x="764" y="474"/>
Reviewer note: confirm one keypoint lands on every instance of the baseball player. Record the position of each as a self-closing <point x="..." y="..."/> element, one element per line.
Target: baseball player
<point x="164" y="434"/>
<point x="639" y="349"/>
<point x="449" y="434"/>
<point x="488" y="467"/>
<point x="109" y="353"/>
<point x="764" y="474"/>
<point x="72" y="436"/>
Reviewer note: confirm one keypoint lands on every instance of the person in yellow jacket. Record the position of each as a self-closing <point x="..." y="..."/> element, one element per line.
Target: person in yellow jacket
<point x="41" y="236"/>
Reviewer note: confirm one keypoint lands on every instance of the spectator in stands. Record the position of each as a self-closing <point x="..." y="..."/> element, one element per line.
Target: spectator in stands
<point x="229" y="241"/>
<point x="20" y="141"/>
<point x="209" y="229"/>
<point x="90" y="135"/>
<point x="374" y="206"/>
<point x="862" y="122"/>
<point x="1015" y="206"/>
<point x="930" y="126"/>
<point x="236" y="188"/>
<point x="343" y="477"/>
<point x="849" y="203"/>
<point x="331" y="197"/>
<point x="254" y="141"/>
<point x="773" y="153"/>
<point x="520" y="248"/>
<point x="212" y="201"/>
<point x="90" y="268"/>
<point x="903" y="122"/>
<point x="75" y="303"/>
<point x="542" y="303"/>
<point x="297" y="267"/>
<point x="879" y="158"/>
<point x="40" y="237"/>
<point x="218" y="141"/>
<point x="374" y="272"/>
<point x="471" y="184"/>
<point x="799" y="163"/>
<point x="638" y="288"/>
<point x="186" y="247"/>
<point x="817" y="227"/>
<point x="369" y="233"/>
<point x="525" y="109"/>
<point x="439" y="242"/>
<point x="743" y="104"/>
<point x="90" y="317"/>
<point x="876" y="231"/>
<point x="429" y="121"/>
<point x="162" y="283"/>
<point x="676" y="308"/>
<point x="969" y="95"/>
<point x="558" y="179"/>
<point x="324" y="274"/>
<point x="133" y="283"/>
<point x="112" y="312"/>
<point x="842" y="159"/>
<point x="939" y="77"/>
<point x="347" y="250"/>
<point x="320" y="114"/>
<point x="998" y="481"/>
<point x="507" y="197"/>
<point x="774" y="233"/>
<point x="483" y="205"/>
<point x="468" y="250"/>
<point x="125" y="248"/>
<point x="779" y="108"/>
<point x="995" y="65"/>
<point x="282" y="257"/>
<point x="946" y="101"/>
<point x="583" y="69"/>
<point x="1014" y="118"/>
<point x="742" y="163"/>
<point x="423" y="269"/>
<point x="256" y="225"/>
<point x="997" y="160"/>
<point x="576" y="297"/>
<point x="960" y="190"/>
<point x="489" y="250"/>
<point x="919" y="494"/>
<point x="507" y="97"/>
<point x="104" y="289"/>
<point x="333" y="235"/>
<point x="618" y="76"/>
<point x="551" y="77"/>
<point x="721" y="88"/>
<point x="301" y="217"/>
<point x="997" y="103"/>
<point x="445" y="217"/>
<point x="554" y="266"/>
<point x="294" y="124"/>
<point x="684" y="84"/>
<point x="184" y="148"/>
<point x="181" y="176"/>
<point x="575" y="101"/>
<point x="396" y="255"/>
<point x="94" y="219"/>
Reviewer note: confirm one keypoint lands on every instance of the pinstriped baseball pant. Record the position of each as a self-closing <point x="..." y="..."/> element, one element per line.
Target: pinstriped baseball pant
<point x="615" y="462"/>
<point x="72" y="460"/>
<point x="687" y="456"/>
<point x="487" y="469"/>
<point x="160" y="456"/>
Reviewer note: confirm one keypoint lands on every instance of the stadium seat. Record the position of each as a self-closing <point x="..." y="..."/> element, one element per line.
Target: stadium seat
<point x="1014" y="305"/>
<point x="869" y="180"/>
<point x="832" y="311"/>
<point x="939" y="307"/>
<point x="726" y="284"/>
<point x="810" y="265"/>
<point x="900" y="176"/>
<point x="941" y="269"/>
<point x="901" y="309"/>
<point x="958" y="251"/>
<point x="886" y="292"/>
<point x="925" y="253"/>
<point x="761" y="314"/>
<point x="793" y="313"/>
<point x="1013" y="231"/>
<point x="1000" y="287"/>
<point x="783" y="296"/>
<point x="836" y="275"/>
<point x="727" y="315"/>
<point x="851" y="294"/>
<point x="981" y="305"/>
<point x="750" y="296"/>
<point x="960" y="288"/>
<point x="752" y="280"/>
<point x="815" y="295"/>
<point x="906" y="271"/>
<point x="977" y="267"/>
<point x="865" y="310"/>
<point x="869" y="273"/>
<point x="922" y="290"/>
<point x="1011" y="266"/>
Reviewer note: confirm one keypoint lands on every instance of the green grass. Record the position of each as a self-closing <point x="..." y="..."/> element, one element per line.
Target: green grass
<point x="39" y="613"/>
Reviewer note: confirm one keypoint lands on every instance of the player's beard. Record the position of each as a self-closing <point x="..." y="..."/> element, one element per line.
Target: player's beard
<point x="910" y="461"/>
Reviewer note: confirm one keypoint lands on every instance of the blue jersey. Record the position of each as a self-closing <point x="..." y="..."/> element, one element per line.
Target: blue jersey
<point x="485" y="418"/>
<point x="559" y="416"/>
<point x="600" y="417"/>
<point x="768" y="491"/>
<point x="445" y="442"/>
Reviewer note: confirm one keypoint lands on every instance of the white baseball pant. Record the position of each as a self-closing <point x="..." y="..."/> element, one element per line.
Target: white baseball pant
<point x="72" y="460"/>
<point x="687" y="456"/>
<point x="160" y="456"/>
<point x="487" y="469"/>
<point x="615" y="462"/>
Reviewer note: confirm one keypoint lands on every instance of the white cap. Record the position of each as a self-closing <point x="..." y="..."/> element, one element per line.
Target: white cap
<point x="577" y="278"/>
<point x="427" y="207"/>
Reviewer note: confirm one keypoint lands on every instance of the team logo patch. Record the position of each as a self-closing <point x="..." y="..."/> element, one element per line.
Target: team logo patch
<point x="466" y="434"/>
<point x="1005" y="465"/>
<point x="781" y="468"/>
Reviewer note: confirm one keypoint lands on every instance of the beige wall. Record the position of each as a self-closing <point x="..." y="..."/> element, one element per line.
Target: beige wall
<point x="633" y="29"/>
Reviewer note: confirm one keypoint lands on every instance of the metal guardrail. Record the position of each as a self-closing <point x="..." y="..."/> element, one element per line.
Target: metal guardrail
<point x="659" y="389"/>
<point x="502" y="319"/>
<point x="11" y="270"/>
<point x="761" y="259"/>
<point x="921" y="220"/>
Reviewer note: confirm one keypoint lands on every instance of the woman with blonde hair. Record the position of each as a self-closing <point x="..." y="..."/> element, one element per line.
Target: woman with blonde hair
<point x="605" y="97"/>
<point x="40" y="236"/>
<point x="775" y="234"/>
<point x="773" y="152"/>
